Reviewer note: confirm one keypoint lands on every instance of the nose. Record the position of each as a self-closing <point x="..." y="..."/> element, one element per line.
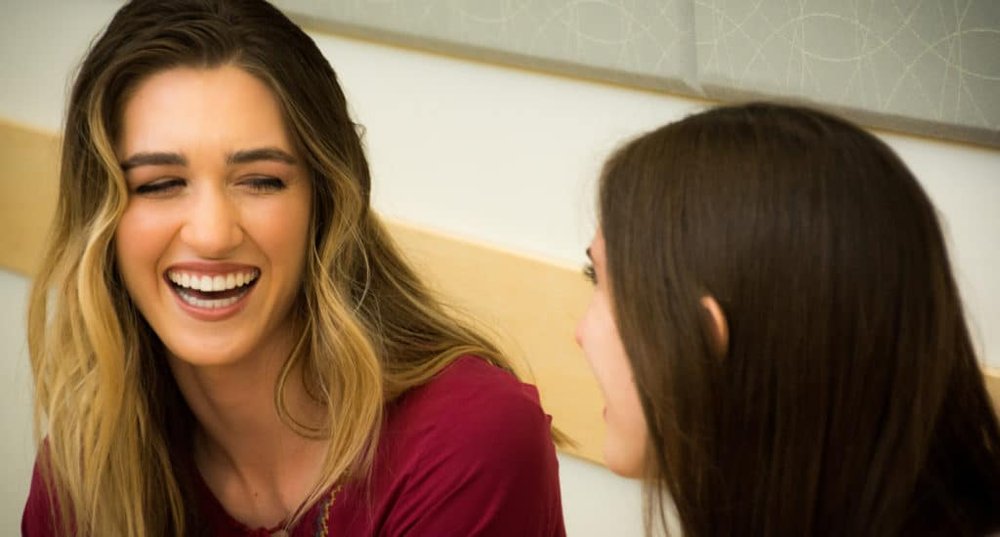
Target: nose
<point x="578" y="333"/>
<point x="212" y="227"/>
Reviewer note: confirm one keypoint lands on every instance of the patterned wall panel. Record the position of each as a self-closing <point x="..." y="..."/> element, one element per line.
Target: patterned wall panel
<point x="924" y="66"/>
<point x="932" y="66"/>
<point x="649" y="43"/>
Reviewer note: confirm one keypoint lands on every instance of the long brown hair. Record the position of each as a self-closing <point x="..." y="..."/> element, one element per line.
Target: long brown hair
<point x="849" y="400"/>
<point x="118" y="430"/>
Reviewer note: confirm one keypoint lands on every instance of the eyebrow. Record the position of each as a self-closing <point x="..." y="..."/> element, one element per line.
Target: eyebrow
<point x="264" y="153"/>
<point x="238" y="157"/>
<point x="153" y="159"/>
<point x="590" y="257"/>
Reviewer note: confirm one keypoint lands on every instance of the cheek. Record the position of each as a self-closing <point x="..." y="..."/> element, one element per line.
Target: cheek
<point x="140" y="239"/>
<point x="626" y="435"/>
<point x="593" y="336"/>
<point x="625" y="447"/>
<point x="281" y="230"/>
<point x="598" y="336"/>
<point x="298" y="238"/>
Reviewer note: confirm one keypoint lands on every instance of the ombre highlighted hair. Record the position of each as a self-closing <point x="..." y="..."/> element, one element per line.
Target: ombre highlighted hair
<point x="113" y="429"/>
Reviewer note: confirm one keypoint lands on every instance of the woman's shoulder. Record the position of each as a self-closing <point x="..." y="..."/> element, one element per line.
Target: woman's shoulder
<point x="472" y="395"/>
<point x="470" y="373"/>
<point x="471" y="420"/>
<point x="473" y="428"/>
<point x="41" y="508"/>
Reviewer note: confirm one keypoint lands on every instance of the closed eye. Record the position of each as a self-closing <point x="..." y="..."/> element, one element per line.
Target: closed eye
<point x="590" y="273"/>
<point x="159" y="187"/>
<point x="264" y="184"/>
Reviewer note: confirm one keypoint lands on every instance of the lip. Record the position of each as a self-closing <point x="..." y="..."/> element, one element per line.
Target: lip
<point x="210" y="269"/>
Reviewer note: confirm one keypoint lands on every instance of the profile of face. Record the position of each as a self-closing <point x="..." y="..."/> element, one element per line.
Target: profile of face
<point x="212" y="243"/>
<point x="597" y="334"/>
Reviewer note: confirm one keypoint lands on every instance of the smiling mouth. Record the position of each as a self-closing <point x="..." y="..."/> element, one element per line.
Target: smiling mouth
<point x="212" y="292"/>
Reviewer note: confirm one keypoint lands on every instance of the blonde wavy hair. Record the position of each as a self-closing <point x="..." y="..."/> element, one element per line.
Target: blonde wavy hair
<point x="113" y="430"/>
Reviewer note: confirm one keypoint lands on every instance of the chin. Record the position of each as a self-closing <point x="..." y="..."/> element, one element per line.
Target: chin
<point x="629" y="465"/>
<point x="204" y="353"/>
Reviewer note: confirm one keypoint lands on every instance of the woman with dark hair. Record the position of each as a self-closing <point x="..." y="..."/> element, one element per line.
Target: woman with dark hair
<point x="779" y="337"/>
<point x="224" y="339"/>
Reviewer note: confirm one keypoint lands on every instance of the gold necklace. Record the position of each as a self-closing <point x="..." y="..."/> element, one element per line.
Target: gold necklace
<point x="323" y="519"/>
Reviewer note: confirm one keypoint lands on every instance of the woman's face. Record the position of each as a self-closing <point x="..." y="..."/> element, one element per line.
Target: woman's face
<point x="597" y="335"/>
<point x="212" y="244"/>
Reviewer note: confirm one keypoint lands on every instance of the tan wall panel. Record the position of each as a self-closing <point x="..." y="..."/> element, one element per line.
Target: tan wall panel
<point x="992" y="378"/>
<point x="531" y="305"/>
<point x="29" y="170"/>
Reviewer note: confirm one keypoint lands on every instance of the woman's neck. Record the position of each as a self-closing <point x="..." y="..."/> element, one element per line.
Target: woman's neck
<point x="256" y="465"/>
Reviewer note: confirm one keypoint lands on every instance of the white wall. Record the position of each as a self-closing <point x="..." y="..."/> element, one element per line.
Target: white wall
<point x="510" y="157"/>
<point x="503" y="156"/>
<point x="16" y="442"/>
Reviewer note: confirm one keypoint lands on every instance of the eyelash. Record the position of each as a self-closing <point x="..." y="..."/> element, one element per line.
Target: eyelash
<point x="158" y="187"/>
<point x="256" y="184"/>
<point x="590" y="273"/>
<point x="265" y="184"/>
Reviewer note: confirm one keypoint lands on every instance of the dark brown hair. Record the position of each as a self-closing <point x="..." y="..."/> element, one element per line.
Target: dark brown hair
<point x="849" y="400"/>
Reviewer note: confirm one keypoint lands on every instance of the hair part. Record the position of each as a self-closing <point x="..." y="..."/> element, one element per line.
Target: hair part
<point x="849" y="400"/>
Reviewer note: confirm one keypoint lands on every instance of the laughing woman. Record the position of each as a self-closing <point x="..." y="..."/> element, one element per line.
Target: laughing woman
<point x="223" y="338"/>
<point x="779" y="338"/>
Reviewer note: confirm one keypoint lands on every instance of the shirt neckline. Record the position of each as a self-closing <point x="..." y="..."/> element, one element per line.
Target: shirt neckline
<point x="213" y="508"/>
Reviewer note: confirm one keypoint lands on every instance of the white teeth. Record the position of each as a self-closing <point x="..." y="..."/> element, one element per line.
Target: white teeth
<point x="209" y="304"/>
<point x="205" y="283"/>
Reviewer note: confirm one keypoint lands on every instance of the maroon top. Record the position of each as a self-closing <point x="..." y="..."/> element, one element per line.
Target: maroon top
<point x="468" y="453"/>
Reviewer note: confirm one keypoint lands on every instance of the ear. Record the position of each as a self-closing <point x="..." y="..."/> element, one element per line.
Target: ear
<point x="718" y="327"/>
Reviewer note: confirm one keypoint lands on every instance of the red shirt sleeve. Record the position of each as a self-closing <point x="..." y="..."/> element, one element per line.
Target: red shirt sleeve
<point x="470" y="454"/>
<point x="40" y="510"/>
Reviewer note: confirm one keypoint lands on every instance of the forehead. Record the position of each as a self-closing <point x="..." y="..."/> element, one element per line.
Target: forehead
<point x="186" y="107"/>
